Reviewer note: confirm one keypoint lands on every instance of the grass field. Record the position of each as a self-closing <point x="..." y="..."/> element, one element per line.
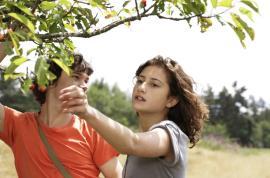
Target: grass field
<point x="203" y="163"/>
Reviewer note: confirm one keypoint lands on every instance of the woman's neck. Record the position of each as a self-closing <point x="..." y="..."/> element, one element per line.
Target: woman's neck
<point x="147" y="120"/>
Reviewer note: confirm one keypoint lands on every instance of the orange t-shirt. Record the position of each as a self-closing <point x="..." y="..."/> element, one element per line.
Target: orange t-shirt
<point x="78" y="146"/>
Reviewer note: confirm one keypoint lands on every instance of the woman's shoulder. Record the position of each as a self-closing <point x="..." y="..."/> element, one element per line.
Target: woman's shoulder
<point x="165" y="124"/>
<point x="171" y="127"/>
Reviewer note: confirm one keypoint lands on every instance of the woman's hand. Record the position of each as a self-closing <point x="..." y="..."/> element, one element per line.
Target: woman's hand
<point x="74" y="100"/>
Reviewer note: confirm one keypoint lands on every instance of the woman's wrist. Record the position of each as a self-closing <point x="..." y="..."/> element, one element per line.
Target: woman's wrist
<point x="89" y="114"/>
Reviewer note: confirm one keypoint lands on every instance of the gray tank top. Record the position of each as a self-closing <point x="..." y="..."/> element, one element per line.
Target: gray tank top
<point x="139" y="167"/>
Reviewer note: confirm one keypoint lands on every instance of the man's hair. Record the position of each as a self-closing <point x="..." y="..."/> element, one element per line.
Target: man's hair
<point x="79" y="66"/>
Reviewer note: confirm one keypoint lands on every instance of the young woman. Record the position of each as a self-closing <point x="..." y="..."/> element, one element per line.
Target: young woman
<point x="81" y="150"/>
<point x="170" y="115"/>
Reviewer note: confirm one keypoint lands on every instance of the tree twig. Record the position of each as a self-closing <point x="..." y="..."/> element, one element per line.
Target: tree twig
<point x="35" y="6"/>
<point x="137" y="10"/>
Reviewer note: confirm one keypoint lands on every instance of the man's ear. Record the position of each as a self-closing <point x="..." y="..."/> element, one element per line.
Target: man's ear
<point x="172" y="101"/>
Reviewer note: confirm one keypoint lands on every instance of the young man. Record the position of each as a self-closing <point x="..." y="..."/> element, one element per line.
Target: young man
<point x="81" y="150"/>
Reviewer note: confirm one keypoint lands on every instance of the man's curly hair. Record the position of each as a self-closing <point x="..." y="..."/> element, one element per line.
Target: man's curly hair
<point x="79" y="66"/>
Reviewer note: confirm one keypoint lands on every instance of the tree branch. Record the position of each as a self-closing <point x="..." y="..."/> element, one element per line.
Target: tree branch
<point x="72" y="6"/>
<point x="192" y="16"/>
<point x="35" y="6"/>
<point x="137" y="10"/>
<point x="178" y="19"/>
<point x="53" y="36"/>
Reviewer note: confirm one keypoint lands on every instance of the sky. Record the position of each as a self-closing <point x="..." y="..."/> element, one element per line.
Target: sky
<point x="215" y="58"/>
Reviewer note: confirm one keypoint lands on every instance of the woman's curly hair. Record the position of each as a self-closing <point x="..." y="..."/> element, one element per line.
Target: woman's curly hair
<point x="79" y="66"/>
<point x="190" y="112"/>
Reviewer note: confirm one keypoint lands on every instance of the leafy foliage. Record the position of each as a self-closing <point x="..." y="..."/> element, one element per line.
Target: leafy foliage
<point x="51" y="24"/>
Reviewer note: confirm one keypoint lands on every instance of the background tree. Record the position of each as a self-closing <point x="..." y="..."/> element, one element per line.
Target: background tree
<point x="51" y="24"/>
<point x="12" y="96"/>
<point x="233" y="116"/>
<point x="112" y="102"/>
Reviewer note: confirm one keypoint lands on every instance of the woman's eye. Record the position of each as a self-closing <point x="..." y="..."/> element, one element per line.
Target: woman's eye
<point x="139" y="81"/>
<point x="153" y="84"/>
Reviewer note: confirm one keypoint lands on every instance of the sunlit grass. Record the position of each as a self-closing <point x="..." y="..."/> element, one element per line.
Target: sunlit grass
<point x="203" y="162"/>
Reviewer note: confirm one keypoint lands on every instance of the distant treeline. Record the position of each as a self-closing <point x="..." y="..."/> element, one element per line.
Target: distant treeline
<point x="232" y="116"/>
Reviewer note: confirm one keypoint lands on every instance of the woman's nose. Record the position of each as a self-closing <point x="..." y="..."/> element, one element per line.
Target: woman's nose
<point x="142" y="87"/>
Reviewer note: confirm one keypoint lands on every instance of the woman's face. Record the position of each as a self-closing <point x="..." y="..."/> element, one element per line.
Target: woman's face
<point x="151" y="91"/>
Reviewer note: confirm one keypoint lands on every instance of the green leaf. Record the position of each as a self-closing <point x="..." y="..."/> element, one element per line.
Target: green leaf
<point x="214" y="3"/>
<point x="50" y="76"/>
<point x="13" y="76"/>
<point x="30" y="51"/>
<point x="85" y="23"/>
<point x="24" y="20"/>
<point x="22" y="35"/>
<point x="41" y="69"/>
<point x="69" y="44"/>
<point x="62" y="65"/>
<point x="239" y="32"/>
<point x="43" y="25"/>
<point x="69" y="27"/>
<point x="246" y="12"/>
<point x="126" y="3"/>
<point x="66" y="3"/>
<point x="243" y="25"/>
<point x="7" y="47"/>
<point x="126" y="11"/>
<point x="97" y="3"/>
<point x="47" y="6"/>
<point x="16" y="61"/>
<point x="225" y="3"/>
<point x="35" y="38"/>
<point x="220" y="20"/>
<point x="22" y="8"/>
<point x="251" y="4"/>
<point x="15" y="41"/>
<point x="26" y="85"/>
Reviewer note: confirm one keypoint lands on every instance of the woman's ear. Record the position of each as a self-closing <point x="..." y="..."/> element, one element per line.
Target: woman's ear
<point x="172" y="101"/>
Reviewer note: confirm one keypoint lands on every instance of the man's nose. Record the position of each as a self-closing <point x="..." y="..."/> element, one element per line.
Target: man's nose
<point x="83" y="86"/>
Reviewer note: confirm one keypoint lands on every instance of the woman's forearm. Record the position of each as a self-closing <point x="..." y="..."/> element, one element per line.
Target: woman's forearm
<point x="120" y="137"/>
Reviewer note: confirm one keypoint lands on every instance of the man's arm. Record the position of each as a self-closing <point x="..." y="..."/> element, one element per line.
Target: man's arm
<point x="1" y="117"/>
<point x="2" y="56"/>
<point x="112" y="168"/>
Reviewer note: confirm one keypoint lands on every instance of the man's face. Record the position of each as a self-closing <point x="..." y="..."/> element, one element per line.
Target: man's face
<point x="79" y="79"/>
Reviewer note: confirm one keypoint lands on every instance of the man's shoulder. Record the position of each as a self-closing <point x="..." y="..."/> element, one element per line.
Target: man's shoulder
<point x="11" y="112"/>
